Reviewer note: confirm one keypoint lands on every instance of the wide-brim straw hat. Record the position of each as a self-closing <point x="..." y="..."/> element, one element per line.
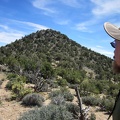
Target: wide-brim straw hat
<point x="112" y="30"/>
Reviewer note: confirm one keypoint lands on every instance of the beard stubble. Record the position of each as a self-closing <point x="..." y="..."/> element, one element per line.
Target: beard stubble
<point x="116" y="68"/>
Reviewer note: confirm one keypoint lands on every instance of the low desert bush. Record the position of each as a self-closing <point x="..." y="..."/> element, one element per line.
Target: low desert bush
<point x="73" y="109"/>
<point x="108" y="104"/>
<point x="9" y="85"/>
<point x="19" y="91"/>
<point x="92" y="101"/>
<point x="62" y="82"/>
<point x="58" y="100"/>
<point x="66" y="94"/>
<point x="33" y="99"/>
<point x="16" y="84"/>
<point x="51" y="112"/>
<point x="12" y="76"/>
<point x="55" y="93"/>
<point x="92" y="116"/>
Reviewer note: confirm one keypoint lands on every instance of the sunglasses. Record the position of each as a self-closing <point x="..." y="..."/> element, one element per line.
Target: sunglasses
<point x="113" y="44"/>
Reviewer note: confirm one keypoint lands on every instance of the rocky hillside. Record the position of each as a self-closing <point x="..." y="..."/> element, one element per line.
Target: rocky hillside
<point x="32" y="51"/>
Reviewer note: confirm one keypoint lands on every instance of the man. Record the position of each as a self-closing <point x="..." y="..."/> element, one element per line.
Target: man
<point x="114" y="32"/>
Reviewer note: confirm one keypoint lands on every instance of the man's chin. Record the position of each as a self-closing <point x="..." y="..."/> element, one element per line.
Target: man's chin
<point x="116" y="68"/>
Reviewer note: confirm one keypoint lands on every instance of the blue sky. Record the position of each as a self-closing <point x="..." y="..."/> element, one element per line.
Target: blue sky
<point x="81" y="20"/>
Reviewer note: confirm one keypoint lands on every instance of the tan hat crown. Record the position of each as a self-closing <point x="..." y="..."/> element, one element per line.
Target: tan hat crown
<point x="112" y="30"/>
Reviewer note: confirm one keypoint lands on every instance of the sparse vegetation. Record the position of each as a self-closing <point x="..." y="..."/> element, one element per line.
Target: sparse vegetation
<point x="16" y="84"/>
<point x="68" y="96"/>
<point x="106" y="104"/>
<point x="92" y="101"/>
<point x="51" y="112"/>
<point x="92" y="116"/>
<point x="73" y="108"/>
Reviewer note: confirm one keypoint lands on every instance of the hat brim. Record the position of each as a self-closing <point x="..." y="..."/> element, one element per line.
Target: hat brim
<point x="112" y="30"/>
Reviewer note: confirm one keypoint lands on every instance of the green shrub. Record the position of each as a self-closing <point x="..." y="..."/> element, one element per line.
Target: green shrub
<point x="44" y="88"/>
<point x="108" y="104"/>
<point x="19" y="90"/>
<point x="21" y="94"/>
<point x="15" y="77"/>
<point x="92" y="116"/>
<point x="54" y="93"/>
<point x="68" y="96"/>
<point x="62" y="82"/>
<point x="53" y="84"/>
<point x="51" y="112"/>
<point x="16" y="84"/>
<point x="73" y="109"/>
<point x="65" y="93"/>
<point x="33" y="99"/>
<point x="58" y="100"/>
<point x="64" y="89"/>
<point x="11" y="76"/>
<point x="92" y="101"/>
<point x="9" y="85"/>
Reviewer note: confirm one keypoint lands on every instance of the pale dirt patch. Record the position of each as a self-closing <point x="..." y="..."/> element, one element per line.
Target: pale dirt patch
<point x="2" y="76"/>
<point x="47" y="102"/>
<point x="99" y="115"/>
<point x="9" y="110"/>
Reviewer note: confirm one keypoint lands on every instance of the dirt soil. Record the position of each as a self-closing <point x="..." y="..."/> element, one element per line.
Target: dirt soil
<point x="11" y="110"/>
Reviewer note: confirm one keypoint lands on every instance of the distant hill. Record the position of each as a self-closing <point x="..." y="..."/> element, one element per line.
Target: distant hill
<point x="50" y="53"/>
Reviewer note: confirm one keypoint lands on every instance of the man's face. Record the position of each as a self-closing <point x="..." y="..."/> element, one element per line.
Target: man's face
<point x="116" y="63"/>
